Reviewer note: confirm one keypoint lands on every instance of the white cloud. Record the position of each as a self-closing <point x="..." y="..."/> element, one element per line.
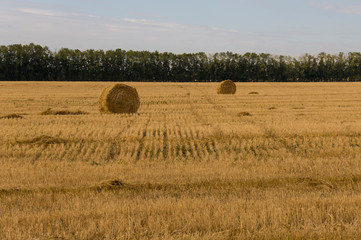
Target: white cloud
<point x="323" y="5"/>
<point x="8" y="18"/>
<point x="38" y="11"/>
<point x="145" y="14"/>
<point x="151" y="23"/>
<point x="338" y="7"/>
<point x="50" y="13"/>
<point x="356" y="9"/>
<point x="224" y="30"/>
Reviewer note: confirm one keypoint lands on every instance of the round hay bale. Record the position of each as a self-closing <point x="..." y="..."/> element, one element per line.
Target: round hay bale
<point x="119" y="98"/>
<point x="226" y="87"/>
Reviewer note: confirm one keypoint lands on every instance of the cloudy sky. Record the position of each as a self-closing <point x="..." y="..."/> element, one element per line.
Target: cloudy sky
<point x="287" y="27"/>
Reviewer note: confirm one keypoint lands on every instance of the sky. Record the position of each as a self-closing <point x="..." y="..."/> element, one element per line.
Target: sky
<point x="280" y="27"/>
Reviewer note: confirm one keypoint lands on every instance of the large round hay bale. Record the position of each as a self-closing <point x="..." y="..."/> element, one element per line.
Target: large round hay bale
<point x="226" y="87"/>
<point x="119" y="98"/>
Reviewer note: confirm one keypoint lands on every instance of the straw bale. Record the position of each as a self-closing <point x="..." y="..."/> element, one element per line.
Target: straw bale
<point x="119" y="98"/>
<point x="226" y="87"/>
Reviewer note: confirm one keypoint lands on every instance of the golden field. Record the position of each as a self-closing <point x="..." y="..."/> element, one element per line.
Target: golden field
<point x="283" y="162"/>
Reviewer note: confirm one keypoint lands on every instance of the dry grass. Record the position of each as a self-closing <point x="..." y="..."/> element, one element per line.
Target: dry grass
<point x="185" y="166"/>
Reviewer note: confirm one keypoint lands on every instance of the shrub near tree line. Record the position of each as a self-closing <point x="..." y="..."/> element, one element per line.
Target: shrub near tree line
<point x="36" y="63"/>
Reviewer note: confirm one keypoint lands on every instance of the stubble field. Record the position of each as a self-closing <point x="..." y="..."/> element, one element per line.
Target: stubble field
<point x="275" y="160"/>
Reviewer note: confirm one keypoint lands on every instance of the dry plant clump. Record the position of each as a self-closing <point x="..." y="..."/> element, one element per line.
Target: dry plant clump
<point x="254" y="93"/>
<point x="226" y="87"/>
<point x="314" y="182"/>
<point x="49" y="111"/>
<point x="110" y="184"/>
<point x="244" y="114"/>
<point x="12" y="116"/>
<point x="42" y="140"/>
<point x="119" y="98"/>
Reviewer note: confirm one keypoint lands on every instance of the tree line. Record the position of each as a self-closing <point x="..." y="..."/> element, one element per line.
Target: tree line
<point x="37" y="63"/>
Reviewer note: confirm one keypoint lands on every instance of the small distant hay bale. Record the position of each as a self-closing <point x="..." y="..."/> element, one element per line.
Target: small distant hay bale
<point x="226" y="87"/>
<point x="254" y="93"/>
<point x="119" y="98"/>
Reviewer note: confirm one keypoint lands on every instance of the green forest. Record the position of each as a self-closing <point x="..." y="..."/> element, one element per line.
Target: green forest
<point x="37" y="63"/>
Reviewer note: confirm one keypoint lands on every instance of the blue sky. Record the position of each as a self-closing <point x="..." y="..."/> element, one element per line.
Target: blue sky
<point x="287" y="27"/>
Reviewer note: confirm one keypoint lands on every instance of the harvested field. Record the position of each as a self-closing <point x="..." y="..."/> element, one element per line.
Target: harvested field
<point x="190" y="164"/>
